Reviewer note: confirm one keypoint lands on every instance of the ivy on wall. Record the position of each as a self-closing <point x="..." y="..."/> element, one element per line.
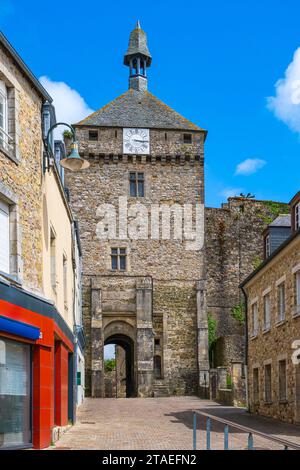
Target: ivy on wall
<point x="238" y="313"/>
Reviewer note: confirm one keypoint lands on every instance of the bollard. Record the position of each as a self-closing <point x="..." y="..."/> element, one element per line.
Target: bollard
<point x="226" y="434"/>
<point x="250" y="441"/>
<point x="194" y="430"/>
<point x="208" y="428"/>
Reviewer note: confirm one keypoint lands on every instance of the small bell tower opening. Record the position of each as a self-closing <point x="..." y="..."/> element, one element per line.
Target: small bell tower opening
<point x="138" y="58"/>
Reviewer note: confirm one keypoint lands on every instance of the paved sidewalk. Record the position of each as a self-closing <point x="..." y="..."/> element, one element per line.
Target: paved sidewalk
<point x="162" y="424"/>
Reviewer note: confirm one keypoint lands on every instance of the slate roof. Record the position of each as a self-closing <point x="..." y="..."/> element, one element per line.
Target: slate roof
<point x="137" y="45"/>
<point x="138" y="109"/>
<point x="283" y="220"/>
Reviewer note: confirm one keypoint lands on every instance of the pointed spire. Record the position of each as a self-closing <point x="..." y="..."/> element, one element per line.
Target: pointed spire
<point x="138" y="58"/>
<point x="137" y="45"/>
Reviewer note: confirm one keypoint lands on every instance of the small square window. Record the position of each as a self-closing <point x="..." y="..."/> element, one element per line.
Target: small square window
<point x="137" y="184"/>
<point x="187" y="138"/>
<point x="157" y="341"/>
<point x="93" y="135"/>
<point x="118" y="259"/>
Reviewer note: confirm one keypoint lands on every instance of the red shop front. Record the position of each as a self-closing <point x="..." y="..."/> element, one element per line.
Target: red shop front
<point x="36" y="370"/>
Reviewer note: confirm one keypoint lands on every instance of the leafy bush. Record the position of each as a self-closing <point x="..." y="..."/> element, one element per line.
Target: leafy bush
<point x="109" y="364"/>
<point x="238" y="313"/>
<point x="212" y="330"/>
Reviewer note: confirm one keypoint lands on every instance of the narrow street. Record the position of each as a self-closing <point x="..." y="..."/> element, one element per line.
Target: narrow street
<point x="161" y="424"/>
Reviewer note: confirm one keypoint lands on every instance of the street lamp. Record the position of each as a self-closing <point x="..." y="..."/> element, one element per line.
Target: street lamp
<point x="74" y="161"/>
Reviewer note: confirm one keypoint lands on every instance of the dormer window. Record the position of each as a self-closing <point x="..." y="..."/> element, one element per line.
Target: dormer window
<point x="267" y="246"/>
<point x="3" y="115"/>
<point x="297" y="216"/>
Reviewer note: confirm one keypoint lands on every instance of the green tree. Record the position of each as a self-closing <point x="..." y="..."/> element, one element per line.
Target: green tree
<point x="109" y="364"/>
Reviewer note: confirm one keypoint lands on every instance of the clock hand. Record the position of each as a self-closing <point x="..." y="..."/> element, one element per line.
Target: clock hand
<point x="138" y="140"/>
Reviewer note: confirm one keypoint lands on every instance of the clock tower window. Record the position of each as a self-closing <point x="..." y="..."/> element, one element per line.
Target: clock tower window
<point x="137" y="184"/>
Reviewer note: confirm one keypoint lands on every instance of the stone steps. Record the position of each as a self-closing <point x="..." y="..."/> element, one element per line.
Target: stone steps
<point x="160" y="390"/>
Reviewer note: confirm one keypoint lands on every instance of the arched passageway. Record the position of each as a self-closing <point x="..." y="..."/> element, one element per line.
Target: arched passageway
<point x="127" y="344"/>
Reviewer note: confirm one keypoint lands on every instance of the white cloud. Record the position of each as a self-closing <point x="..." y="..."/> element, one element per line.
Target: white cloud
<point x="249" y="166"/>
<point x="231" y="192"/>
<point x="70" y="107"/>
<point x="286" y="103"/>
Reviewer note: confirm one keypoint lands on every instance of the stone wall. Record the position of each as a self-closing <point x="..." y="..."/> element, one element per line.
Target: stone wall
<point x="162" y="142"/>
<point x="234" y="247"/>
<point x="172" y="268"/>
<point x="21" y="172"/>
<point x="268" y="347"/>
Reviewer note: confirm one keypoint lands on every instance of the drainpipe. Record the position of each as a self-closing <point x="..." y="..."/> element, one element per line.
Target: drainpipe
<point x="246" y="347"/>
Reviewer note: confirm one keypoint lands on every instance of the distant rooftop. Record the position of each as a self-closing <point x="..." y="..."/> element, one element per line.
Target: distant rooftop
<point x="283" y="220"/>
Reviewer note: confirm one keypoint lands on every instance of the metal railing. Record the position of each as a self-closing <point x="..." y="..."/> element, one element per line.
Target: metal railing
<point x="6" y="141"/>
<point x="250" y="433"/>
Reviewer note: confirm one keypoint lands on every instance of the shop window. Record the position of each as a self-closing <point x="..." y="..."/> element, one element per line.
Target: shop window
<point x="15" y="394"/>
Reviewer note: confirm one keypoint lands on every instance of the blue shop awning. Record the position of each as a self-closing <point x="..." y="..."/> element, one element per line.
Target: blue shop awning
<point x="19" y="328"/>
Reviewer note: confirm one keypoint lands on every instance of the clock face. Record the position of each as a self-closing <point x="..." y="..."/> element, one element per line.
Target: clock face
<point x="136" y="141"/>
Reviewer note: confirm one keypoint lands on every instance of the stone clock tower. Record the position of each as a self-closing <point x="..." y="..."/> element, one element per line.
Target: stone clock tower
<point x="140" y="207"/>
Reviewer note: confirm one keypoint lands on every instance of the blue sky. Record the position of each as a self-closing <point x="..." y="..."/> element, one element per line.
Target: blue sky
<point x="214" y="62"/>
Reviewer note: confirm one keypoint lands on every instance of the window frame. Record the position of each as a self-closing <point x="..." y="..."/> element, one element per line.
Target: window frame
<point x="5" y="210"/>
<point x="53" y="267"/>
<point x="282" y="398"/>
<point x="297" y="216"/>
<point x="189" y="141"/>
<point x="268" y="395"/>
<point x="134" y="181"/>
<point x="120" y="254"/>
<point x="255" y="389"/>
<point x="267" y="246"/>
<point x="96" y="132"/>
<point x="297" y="290"/>
<point x="281" y="302"/>
<point x="267" y="325"/>
<point x="254" y="317"/>
<point x="65" y="280"/>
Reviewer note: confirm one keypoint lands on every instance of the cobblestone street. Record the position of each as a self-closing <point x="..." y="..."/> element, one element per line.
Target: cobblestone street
<point x="161" y="424"/>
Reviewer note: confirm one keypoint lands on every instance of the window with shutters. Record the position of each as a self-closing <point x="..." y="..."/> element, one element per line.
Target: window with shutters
<point x="4" y="237"/>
